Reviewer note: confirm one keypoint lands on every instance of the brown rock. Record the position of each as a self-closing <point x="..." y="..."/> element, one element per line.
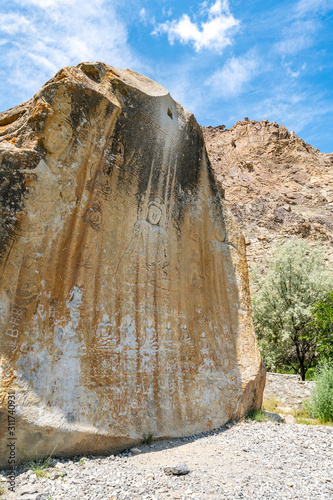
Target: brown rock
<point x="124" y="296"/>
<point x="264" y="169"/>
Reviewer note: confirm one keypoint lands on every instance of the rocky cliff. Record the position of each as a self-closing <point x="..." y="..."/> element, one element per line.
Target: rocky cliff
<point x="277" y="185"/>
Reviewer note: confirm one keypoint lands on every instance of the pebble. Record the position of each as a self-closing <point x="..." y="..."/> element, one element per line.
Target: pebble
<point x="180" y="469"/>
<point x="135" y="451"/>
<point x="289" y="419"/>
<point x="248" y="460"/>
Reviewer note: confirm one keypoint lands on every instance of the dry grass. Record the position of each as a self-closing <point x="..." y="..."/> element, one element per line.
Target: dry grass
<point x="300" y="413"/>
<point x="270" y="404"/>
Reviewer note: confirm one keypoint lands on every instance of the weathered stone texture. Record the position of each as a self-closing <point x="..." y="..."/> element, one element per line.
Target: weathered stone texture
<point x="124" y="292"/>
<point x="288" y="390"/>
<point x="277" y="186"/>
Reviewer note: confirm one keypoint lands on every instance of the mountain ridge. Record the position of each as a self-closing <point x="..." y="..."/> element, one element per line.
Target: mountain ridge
<point x="277" y="185"/>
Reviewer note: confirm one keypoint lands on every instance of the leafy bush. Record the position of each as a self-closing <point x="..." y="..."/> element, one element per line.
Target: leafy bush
<point x="323" y="324"/>
<point x="283" y="301"/>
<point x="321" y="403"/>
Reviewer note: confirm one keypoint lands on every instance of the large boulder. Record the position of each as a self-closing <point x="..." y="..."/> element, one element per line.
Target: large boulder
<point x="124" y="300"/>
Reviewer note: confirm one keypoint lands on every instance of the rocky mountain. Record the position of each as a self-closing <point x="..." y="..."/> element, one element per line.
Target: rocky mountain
<point x="277" y="185"/>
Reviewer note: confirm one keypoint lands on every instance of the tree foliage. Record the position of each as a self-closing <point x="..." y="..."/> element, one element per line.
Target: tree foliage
<point x="321" y="402"/>
<point x="323" y="324"/>
<point x="283" y="301"/>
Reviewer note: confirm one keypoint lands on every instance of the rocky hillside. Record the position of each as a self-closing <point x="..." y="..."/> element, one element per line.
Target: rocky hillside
<point x="277" y="185"/>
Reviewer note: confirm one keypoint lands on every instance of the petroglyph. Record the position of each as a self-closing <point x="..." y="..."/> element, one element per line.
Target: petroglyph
<point x="124" y="304"/>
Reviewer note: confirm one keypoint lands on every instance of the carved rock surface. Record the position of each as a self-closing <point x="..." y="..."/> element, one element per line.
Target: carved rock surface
<point x="124" y="302"/>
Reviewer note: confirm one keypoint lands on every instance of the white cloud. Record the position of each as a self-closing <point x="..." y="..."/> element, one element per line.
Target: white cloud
<point x="167" y="13"/>
<point x="289" y="70"/>
<point x="45" y="4"/>
<point x="303" y="23"/>
<point x="304" y="7"/>
<point x="295" y="110"/>
<point x="214" y="34"/>
<point x="13" y="23"/>
<point x="57" y="33"/>
<point x="235" y="74"/>
<point x="298" y="36"/>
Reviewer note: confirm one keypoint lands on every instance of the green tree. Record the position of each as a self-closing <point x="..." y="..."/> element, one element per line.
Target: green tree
<point x="283" y="301"/>
<point x="323" y="325"/>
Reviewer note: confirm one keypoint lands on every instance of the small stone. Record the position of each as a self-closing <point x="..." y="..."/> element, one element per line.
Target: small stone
<point x="178" y="470"/>
<point x="59" y="465"/>
<point x="275" y="417"/>
<point x="57" y="474"/>
<point x="289" y="419"/>
<point x="135" y="451"/>
<point x="28" y="489"/>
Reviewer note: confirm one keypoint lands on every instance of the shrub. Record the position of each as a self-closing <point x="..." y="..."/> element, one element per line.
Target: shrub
<point x="257" y="415"/>
<point x="321" y="403"/>
<point x="283" y="301"/>
<point x="323" y="324"/>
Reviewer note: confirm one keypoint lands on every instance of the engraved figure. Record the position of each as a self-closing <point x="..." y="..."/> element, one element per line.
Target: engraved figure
<point x="104" y="339"/>
<point x="118" y="157"/>
<point x="128" y="334"/>
<point x="148" y="348"/>
<point x="101" y="185"/>
<point x="167" y="341"/>
<point x="86" y="258"/>
<point x="220" y="248"/>
<point x="148" y="249"/>
<point x="221" y="244"/>
<point x="105" y="177"/>
<point x="93" y="215"/>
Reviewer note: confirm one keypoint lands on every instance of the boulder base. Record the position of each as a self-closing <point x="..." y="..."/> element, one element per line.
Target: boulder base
<point x="124" y="301"/>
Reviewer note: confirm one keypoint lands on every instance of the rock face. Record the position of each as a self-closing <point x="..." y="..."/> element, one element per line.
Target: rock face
<point x="124" y="291"/>
<point x="277" y="186"/>
<point x="288" y="389"/>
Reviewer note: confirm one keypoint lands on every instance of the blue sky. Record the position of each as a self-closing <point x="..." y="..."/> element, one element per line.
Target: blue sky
<point x="221" y="59"/>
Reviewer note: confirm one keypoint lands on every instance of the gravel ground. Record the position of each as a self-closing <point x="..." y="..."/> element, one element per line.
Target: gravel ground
<point x="249" y="460"/>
